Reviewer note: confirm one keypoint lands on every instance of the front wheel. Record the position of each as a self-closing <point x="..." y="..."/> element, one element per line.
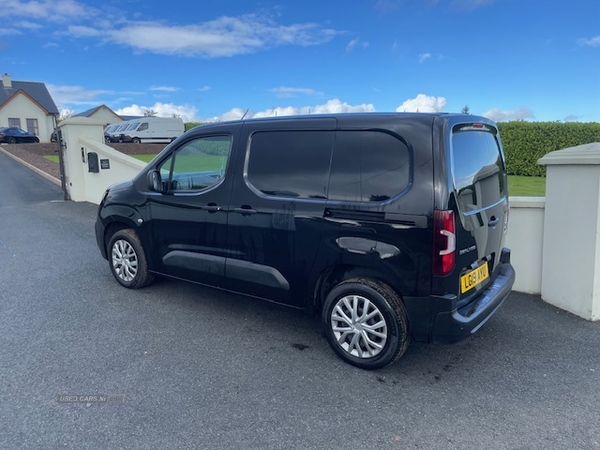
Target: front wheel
<point x="366" y="323"/>
<point x="136" y="140"/>
<point x="127" y="260"/>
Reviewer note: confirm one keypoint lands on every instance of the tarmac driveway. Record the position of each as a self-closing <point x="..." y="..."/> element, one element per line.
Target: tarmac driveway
<point x="177" y="366"/>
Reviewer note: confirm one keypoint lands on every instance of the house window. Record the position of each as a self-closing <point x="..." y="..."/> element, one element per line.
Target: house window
<point x="32" y="127"/>
<point x="14" y="123"/>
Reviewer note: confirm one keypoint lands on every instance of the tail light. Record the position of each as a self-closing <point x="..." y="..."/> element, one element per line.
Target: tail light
<point x="444" y="243"/>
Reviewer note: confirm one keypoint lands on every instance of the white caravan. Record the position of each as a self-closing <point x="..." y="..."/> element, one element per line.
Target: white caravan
<point x="146" y="130"/>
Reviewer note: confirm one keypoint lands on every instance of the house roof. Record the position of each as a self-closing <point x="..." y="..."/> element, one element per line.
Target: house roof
<point x="37" y="91"/>
<point x="91" y="111"/>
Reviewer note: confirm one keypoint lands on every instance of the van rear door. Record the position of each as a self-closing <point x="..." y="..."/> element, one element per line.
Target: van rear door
<point x="480" y="188"/>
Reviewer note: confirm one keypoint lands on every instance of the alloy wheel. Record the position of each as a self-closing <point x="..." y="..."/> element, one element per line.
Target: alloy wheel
<point x="359" y="326"/>
<point x="124" y="260"/>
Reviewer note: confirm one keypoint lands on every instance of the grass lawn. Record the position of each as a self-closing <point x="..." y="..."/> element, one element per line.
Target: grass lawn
<point x="518" y="186"/>
<point x="145" y="158"/>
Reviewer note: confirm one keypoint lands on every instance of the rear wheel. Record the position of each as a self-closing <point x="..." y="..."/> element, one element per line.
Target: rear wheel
<point x="127" y="260"/>
<point x="11" y="140"/>
<point x="366" y="323"/>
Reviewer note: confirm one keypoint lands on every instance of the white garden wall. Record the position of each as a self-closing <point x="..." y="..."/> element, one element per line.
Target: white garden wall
<point x="525" y="239"/>
<point x="82" y="136"/>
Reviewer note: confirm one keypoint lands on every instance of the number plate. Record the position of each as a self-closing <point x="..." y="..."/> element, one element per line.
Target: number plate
<point x="473" y="278"/>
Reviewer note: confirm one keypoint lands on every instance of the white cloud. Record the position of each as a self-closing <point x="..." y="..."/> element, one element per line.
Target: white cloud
<point x="232" y="114"/>
<point x="164" y="88"/>
<point x="221" y="37"/>
<point x="187" y="113"/>
<point x="287" y="92"/>
<point x="75" y="95"/>
<point x="497" y="115"/>
<point x="424" y="57"/>
<point x="423" y="103"/>
<point x="225" y="36"/>
<point x="354" y="43"/>
<point x="204" y="88"/>
<point x="351" y="45"/>
<point x="472" y="4"/>
<point x="592" y="42"/>
<point x="9" y="31"/>
<point x="83" y="31"/>
<point x="28" y="25"/>
<point x="330" y="107"/>
<point x="50" y="10"/>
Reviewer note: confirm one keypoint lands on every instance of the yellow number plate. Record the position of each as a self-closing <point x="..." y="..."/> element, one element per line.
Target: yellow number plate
<point x="471" y="279"/>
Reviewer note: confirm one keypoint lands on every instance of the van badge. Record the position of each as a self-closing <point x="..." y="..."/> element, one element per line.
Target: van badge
<point x="467" y="250"/>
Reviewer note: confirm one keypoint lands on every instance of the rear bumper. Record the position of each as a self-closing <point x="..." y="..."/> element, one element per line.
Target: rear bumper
<point x="457" y="324"/>
<point x="438" y="319"/>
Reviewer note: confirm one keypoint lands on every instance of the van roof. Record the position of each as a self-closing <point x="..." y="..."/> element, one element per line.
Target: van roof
<point x="356" y="116"/>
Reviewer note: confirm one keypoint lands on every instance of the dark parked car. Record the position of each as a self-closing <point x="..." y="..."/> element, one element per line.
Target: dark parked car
<point x="390" y="226"/>
<point x="14" y="135"/>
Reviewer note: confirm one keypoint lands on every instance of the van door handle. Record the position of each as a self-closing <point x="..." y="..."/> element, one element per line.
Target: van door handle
<point x="212" y="207"/>
<point x="493" y="222"/>
<point x="245" y="210"/>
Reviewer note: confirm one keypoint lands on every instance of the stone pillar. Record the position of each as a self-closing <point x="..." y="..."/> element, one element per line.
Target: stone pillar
<point x="75" y="155"/>
<point x="571" y="249"/>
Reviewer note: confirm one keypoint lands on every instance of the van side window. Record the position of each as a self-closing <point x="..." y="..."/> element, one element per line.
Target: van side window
<point x="368" y="166"/>
<point x="143" y="126"/>
<point x="290" y="163"/>
<point x="197" y="165"/>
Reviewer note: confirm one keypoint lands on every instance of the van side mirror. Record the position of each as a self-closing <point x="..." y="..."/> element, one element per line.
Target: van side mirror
<point x="155" y="181"/>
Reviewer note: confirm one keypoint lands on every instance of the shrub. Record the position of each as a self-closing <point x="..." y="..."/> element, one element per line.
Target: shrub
<point x="526" y="142"/>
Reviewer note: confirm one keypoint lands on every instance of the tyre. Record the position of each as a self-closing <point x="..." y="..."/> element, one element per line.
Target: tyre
<point x="127" y="260"/>
<point x="366" y="323"/>
<point x="11" y="140"/>
<point x="136" y="140"/>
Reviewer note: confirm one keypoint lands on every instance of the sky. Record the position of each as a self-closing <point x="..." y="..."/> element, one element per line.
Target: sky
<point x="533" y="60"/>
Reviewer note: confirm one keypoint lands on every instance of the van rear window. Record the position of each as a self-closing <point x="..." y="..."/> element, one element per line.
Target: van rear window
<point x="478" y="169"/>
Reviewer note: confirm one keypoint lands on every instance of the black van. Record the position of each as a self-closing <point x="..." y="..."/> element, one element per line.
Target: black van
<point x="391" y="226"/>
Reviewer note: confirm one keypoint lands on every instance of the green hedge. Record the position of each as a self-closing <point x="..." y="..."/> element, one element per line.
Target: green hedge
<point x="526" y="142"/>
<point x="190" y="125"/>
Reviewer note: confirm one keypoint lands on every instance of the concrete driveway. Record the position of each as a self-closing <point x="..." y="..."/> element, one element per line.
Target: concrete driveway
<point x="186" y="367"/>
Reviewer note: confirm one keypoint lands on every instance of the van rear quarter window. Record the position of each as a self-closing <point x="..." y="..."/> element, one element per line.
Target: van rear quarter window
<point x="368" y="166"/>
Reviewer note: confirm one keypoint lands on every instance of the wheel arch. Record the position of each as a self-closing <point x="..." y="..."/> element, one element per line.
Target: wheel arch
<point x="112" y="228"/>
<point x="335" y="275"/>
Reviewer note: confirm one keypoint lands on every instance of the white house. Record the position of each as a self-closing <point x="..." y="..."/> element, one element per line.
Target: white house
<point x="102" y="114"/>
<point x="29" y="106"/>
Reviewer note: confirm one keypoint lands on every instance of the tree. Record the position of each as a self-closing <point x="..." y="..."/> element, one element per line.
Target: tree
<point x="465" y="110"/>
<point x="65" y="114"/>
<point x="150" y="113"/>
